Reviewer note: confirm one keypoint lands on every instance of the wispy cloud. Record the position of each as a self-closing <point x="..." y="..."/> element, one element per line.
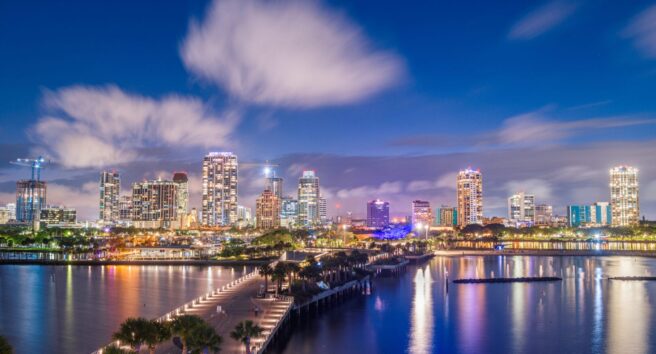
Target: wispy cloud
<point x="642" y="30"/>
<point x="542" y="20"/>
<point x="289" y="53"/>
<point x="99" y="126"/>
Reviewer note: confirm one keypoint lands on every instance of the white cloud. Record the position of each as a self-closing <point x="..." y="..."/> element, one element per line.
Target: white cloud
<point x="422" y="185"/>
<point x="84" y="198"/>
<point x="290" y="53"/>
<point x="100" y="126"/>
<point x="540" y="188"/>
<point x="371" y="192"/>
<point x="448" y="181"/>
<point x="569" y="174"/>
<point x="642" y="30"/>
<point x="542" y="20"/>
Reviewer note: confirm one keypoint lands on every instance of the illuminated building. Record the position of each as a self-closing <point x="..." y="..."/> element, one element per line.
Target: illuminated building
<point x="110" y="187"/>
<point x="521" y="209"/>
<point x="5" y="215"/>
<point x="183" y="192"/>
<point x="267" y="210"/>
<point x="377" y="213"/>
<point x="154" y="204"/>
<point x="624" y="196"/>
<point x="323" y="210"/>
<point x="422" y="214"/>
<point x="219" y="201"/>
<point x="308" y="199"/>
<point x="446" y="216"/>
<point x="597" y="214"/>
<point x="275" y="185"/>
<point x="244" y="216"/>
<point x="30" y="199"/>
<point x="543" y="215"/>
<point x="58" y="216"/>
<point x="125" y="209"/>
<point x="289" y="212"/>
<point x="470" y="197"/>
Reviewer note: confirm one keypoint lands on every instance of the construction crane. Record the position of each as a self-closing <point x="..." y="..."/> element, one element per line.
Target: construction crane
<point x="36" y="165"/>
<point x="269" y="168"/>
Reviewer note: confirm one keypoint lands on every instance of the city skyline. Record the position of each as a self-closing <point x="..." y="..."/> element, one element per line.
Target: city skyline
<point x="554" y="133"/>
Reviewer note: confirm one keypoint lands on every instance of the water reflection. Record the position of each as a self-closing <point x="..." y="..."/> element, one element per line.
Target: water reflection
<point x="421" y="331"/>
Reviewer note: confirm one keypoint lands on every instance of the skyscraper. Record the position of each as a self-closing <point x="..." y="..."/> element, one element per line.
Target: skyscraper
<point x="125" y="209"/>
<point x="470" y="197"/>
<point x="267" y="210"/>
<point x="183" y="192"/>
<point x="521" y="209"/>
<point x="422" y="213"/>
<point x="624" y="200"/>
<point x="275" y="185"/>
<point x="323" y="210"/>
<point x="219" y="189"/>
<point x="110" y="187"/>
<point x="308" y="199"/>
<point x="30" y="199"/>
<point x="154" y="204"/>
<point x="289" y="212"/>
<point x="377" y="213"/>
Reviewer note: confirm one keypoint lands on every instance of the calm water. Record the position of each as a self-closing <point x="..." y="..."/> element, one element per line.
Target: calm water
<point x="75" y="309"/>
<point x="585" y="313"/>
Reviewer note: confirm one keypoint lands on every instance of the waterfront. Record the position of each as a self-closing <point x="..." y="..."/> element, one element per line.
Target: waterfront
<point x="75" y="309"/>
<point x="585" y="313"/>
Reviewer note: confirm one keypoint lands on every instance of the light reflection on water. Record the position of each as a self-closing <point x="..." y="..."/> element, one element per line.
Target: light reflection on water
<point x="584" y="313"/>
<point x="75" y="309"/>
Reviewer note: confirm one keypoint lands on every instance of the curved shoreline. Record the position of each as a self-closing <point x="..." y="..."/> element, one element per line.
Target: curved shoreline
<point x="547" y="253"/>
<point x="140" y="262"/>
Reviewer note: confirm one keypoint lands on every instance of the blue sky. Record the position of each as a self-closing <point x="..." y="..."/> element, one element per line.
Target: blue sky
<point x="382" y="100"/>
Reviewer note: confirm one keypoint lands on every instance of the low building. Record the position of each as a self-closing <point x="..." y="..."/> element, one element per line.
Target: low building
<point x="60" y="215"/>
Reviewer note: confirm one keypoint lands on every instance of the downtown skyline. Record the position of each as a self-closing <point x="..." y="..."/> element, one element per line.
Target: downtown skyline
<point x="417" y="114"/>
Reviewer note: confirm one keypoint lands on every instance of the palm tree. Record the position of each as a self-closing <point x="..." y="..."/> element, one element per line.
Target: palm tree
<point x="279" y="273"/>
<point x="292" y="270"/>
<point x="265" y="271"/>
<point x="158" y="333"/>
<point x="5" y="347"/>
<point x="244" y="331"/>
<point x="185" y="326"/>
<point x="205" y="340"/>
<point x="134" y="332"/>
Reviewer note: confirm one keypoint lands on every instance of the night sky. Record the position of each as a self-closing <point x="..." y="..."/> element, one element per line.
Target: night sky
<point x="383" y="99"/>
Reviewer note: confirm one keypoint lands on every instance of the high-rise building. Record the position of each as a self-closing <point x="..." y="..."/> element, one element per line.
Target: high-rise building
<point x="275" y="185"/>
<point x="154" y="204"/>
<point x="289" y="212"/>
<point x="30" y="199"/>
<point x="624" y="200"/>
<point x="377" y="213"/>
<point x="597" y="214"/>
<point x="308" y="199"/>
<point x="125" y="209"/>
<point x="53" y="215"/>
<point x="244" y="216"/>
<point x="267" y="210"/>
<point x="521" y="209"/>
<point x="323" y="210"/>
<point x="470" y="197"/>
<point x="422" y="213"/>
<point x="446" y="216"/>
<point x="219" y="189"/>
<point x="110" y="187"/>
<point x="543" y="215"/>
<point x="182" y="197"/>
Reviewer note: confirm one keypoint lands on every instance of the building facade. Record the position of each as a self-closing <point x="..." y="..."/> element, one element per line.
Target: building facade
<point x="289" y="212"/>
<point x="308" y="199"/>
<point x="219" y="190"/>
<point x="378" y="214"/>
<point x="275" y="185"/>
<point x="470" y="197"/>
<point x="125" y="209"/>
<point x="594" y="215"/>
<point x="63" y="216"/>
<point x="521" y="209"/>
<point x="30" y="199"/>
<point x="422" y="214"/>
<point x="446" y="216"/>
<point x="267" y="210"/>
<point x="624" y="200"/>
<point x="110" y="188"/>
<point x="543" y="215"/>
<point x="154" y="204"/>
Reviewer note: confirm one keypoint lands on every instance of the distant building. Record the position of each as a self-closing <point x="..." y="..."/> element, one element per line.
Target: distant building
<point x="275" y="185"/>
<point x="446" y="216"/>
<point x="30" y="199"/>
<point x="470" y="197"/>
<point x="244" y="216"/>
<point x="267" y="214"/>
<point x="543" y="215"/>
<point x="125" y="209"/>
<point x="308" y="199"/>
<point x="182" y="196"/>
<point x="289" y="212"/>
<point x="597" y="214"/>
<point x="323" y="210"/>
<point x="219" y="194"/>
<point x="110" y="187"/>
<point x="378" y="213"/>
<point x="11" y="207"/>
<point x="62" y="216"/>
<point x="5" y="215"/>
<point x="422" y="213"/>
<point x="154" y="204"/>
<point x="624" y="192"/>
<point x="521" y="209"/>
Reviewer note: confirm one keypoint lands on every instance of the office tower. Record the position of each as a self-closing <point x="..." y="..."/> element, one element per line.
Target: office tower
<point x="154" y="204"/>
<point x="470" y="197"/>
<point x="289" y="212"/>
<point x="323" y="210"/>
<point x="543" y="215"/>
<point x="377" y="213"/>
<point x="30" y="199"/>
<point x="110" y="187"/>
<point x="422" y="214"/>
<point x="52" y="215"/>
<point x="125" y="209"/>
<point x="183" y="192"/>
<point x="597" y="214"/>
<point x="521" y="209"/>
<point x="267" y="210"/>
<point x="275" y="185"/>
<point x="624" y="196"/>
<point x="308" y="199"/>
<point x="446" y="216"/>
<point x="219" y="189"/>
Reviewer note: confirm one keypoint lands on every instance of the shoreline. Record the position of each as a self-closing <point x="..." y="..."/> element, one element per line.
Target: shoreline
<point x="192" y="262"/>
<point x="546" y="253"/>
